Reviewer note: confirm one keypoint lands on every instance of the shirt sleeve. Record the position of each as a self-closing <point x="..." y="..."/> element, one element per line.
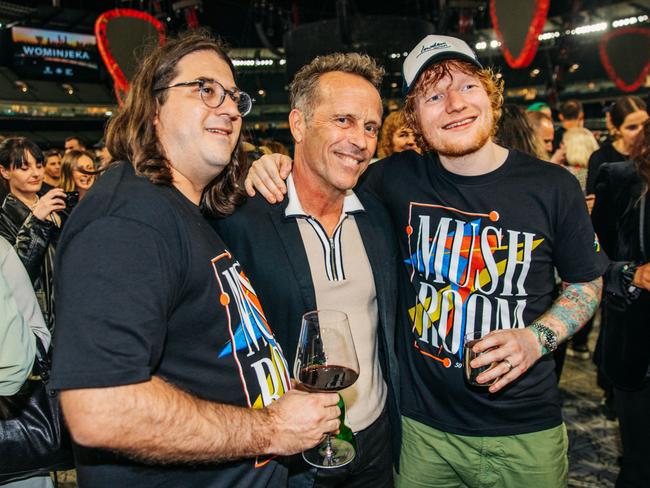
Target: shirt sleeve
<point x="114" y="289"/>
<point x="24" y="295"/>
<point x="17" y="343"/>
<point x="577" y="254"/>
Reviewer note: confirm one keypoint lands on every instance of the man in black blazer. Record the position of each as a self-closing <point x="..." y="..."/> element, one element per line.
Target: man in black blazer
<point x="324" y="247"/>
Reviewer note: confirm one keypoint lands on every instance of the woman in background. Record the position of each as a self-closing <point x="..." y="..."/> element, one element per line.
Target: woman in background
<point x="621" y="218"/>
<point x="31" y="223"/>
<point x="627" y="116"/>
<point x="21" y="325"/>
<point x="77" y="172"/>
<point x="395" y="136"/>
<point x="579" y="145"/>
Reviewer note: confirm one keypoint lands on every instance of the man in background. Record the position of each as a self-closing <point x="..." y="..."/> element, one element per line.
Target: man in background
<point x="542" y="125"/>
<point x="571" y="114"/>
<point x="74" y="143"/>
<point x="52" y="170"/>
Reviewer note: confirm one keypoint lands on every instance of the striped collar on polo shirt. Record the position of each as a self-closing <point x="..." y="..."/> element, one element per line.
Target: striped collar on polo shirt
<point x="351" y="203"/>
<point x="332" y="247"/>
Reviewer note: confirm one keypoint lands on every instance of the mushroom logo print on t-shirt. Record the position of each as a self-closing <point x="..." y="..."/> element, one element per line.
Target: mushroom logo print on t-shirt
<point x="470" y="274"/>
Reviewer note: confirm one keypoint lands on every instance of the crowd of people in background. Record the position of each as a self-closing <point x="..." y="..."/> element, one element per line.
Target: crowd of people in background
<point x="40" y="189"/>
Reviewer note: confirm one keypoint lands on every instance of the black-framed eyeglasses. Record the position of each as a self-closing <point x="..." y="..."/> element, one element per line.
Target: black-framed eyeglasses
<point x="214" y="93"/>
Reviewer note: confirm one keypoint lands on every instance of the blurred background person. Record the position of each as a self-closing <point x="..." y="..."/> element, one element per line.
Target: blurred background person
<point x="395" y="136"/>
<point x="621" y="217"/>
<point x="74" y="143"/>
<point x="274" y="147"/>
<point x="102" y="155"/>
<point x="30" y="223"/>
<point x="626" y="116"/>
<point x="52" y="170"/>
<point x="540" y="107"/>
<point x="571" y="115"/>
<point x="515" y="132"/>
<point x="21" y="325"/>
<point x="542" y="125"/>
<point x="579" y="144"/>
<point x="23" y="294"/>
<point x="77" y="172"/>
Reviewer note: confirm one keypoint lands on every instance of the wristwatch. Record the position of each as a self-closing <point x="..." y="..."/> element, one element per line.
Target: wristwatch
<point x="546" y="336"/>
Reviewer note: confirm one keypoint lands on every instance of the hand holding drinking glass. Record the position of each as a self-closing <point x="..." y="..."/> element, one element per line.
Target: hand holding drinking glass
<point x="326" y="361"/>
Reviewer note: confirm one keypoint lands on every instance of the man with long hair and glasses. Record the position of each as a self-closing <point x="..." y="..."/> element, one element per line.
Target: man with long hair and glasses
<point x="169" y="372"/>
<point x="481" y="230"/>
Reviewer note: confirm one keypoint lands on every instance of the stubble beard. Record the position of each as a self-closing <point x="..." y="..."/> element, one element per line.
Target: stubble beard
<point x="462" y="148"/>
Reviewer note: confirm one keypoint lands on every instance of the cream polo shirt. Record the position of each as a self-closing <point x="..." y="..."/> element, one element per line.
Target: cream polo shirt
<point x="343" y="280"/>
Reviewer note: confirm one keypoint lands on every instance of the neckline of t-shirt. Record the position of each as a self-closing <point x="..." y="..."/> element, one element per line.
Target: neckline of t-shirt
<point x="190" y="205"/>
<point x="617" y="154"/>
<point x="483" y="179"/>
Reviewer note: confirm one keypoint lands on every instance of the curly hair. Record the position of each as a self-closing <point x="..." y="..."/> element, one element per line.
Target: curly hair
<point x="303" y="91"/>
<point x="436" y="72"/>
<point x="131" y="134"/>
<point x="392" y="124"/>
<point x="579" y="144"/>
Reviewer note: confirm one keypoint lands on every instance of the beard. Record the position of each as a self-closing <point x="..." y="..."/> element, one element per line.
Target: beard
<point x="461" y="148"/>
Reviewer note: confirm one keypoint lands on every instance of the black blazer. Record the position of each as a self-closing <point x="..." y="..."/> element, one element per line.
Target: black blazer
<point x="269" y="247"/>
<point x="625" y="356"/>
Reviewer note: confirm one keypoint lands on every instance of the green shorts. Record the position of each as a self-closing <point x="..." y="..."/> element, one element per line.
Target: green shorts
<point x="436" y="459"/>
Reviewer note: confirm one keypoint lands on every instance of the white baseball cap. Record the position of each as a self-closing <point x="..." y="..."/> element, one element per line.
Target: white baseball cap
<point x="433" y="49"/>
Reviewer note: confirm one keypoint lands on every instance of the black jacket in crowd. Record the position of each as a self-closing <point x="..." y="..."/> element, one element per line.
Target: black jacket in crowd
<point x="34" y="241"/>
<point x="616" y="219"/>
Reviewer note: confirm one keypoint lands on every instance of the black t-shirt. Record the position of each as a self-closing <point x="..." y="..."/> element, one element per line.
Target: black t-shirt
<point x="146" y="287"/>
<point x="605" y="154"/>
<point x="510" y="228"/>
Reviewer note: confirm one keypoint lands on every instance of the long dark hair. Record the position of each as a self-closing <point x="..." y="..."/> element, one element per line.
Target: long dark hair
<point x="131" y="134"/>
<point x="641" y="153"/>
<point x="515" y="132"/>
<point x="623" y="107"/>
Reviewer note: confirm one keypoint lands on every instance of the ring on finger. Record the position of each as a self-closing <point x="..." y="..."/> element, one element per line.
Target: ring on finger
<point x="510" y="366"/>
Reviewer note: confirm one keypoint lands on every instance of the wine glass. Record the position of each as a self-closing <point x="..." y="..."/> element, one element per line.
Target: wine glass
<point x="326" y="361"/>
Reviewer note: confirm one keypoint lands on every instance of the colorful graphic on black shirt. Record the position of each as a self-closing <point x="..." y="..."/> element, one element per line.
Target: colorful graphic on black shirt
<point x="470" y="273"/>
<point x="248" y="337"/>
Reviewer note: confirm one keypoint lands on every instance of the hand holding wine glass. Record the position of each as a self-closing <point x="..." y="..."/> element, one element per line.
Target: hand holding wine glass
<point x="326" y="361"/>
<point x="301" y="420"/>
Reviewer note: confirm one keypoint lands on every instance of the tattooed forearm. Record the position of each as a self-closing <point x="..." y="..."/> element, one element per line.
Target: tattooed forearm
<point x="573" y="308"/>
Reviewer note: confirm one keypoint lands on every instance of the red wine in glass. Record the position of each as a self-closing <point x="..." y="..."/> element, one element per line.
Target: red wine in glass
<point x="323" y="378"/>
<point x="326" y="361"/>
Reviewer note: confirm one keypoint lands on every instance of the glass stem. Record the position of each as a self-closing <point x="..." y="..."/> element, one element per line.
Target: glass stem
<point x="329" y="453"/>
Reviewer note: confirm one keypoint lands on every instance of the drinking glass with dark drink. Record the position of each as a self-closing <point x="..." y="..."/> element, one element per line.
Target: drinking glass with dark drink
<point x="326" y="361"/>
<point x="468" y="355"/>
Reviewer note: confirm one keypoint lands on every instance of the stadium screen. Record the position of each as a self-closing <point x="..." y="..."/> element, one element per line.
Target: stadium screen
<point x="48" y="54"/>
